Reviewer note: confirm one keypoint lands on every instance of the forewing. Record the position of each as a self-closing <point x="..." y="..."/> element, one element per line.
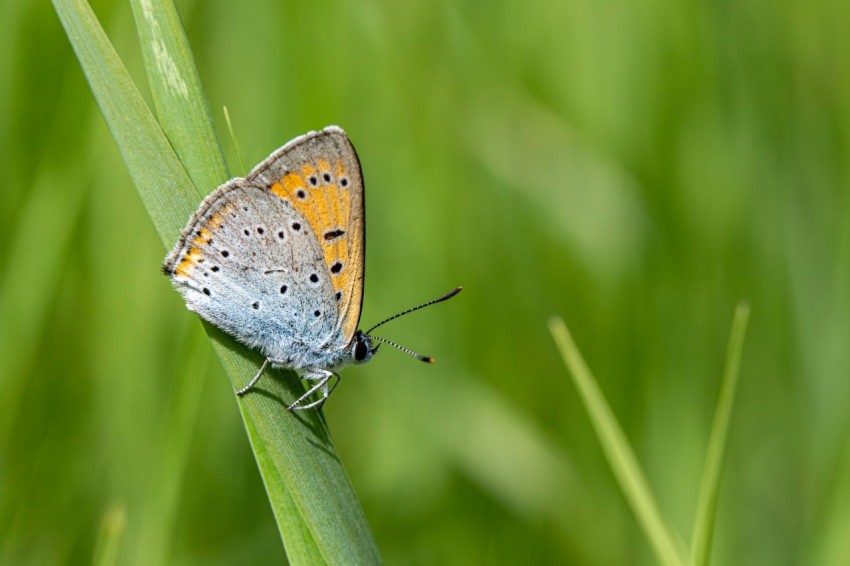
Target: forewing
<point x="318" y="174"/>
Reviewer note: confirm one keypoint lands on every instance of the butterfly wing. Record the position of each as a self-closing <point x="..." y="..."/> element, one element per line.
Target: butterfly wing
<point x="276" y="259"/>
<point x="250" y="263"/>
<point x="318" y="174"/>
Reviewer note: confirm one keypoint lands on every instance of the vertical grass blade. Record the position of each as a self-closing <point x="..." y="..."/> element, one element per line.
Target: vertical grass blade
<point x="242" y="169"/>
<point x="314" y="504"/>
<point x="707" y="502"/>
<point x="617" y="450"/>
<point x="178" y="96"/>
<point x="159" y="176"/>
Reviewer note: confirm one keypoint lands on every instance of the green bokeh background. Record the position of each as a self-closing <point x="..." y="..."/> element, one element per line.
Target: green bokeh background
<point x="635" y="167"/>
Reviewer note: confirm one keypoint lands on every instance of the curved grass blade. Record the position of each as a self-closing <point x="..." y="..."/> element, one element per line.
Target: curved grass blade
<point x="178" y="96"/>
<point x="315" y="506"/>
<point x="617" y="450"/>
<point x="159" y="176"/>
<point x="707" y="502"/>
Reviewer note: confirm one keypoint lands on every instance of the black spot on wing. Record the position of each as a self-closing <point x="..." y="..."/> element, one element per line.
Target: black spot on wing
<point x="331" y="235"/>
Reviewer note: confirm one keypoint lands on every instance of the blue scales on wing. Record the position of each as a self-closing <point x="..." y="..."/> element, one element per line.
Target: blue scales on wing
<point x="249" y="263"/>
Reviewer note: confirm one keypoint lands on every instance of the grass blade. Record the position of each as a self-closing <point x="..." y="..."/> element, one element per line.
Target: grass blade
<point x="178" y="96"/>
<point x="159" y="176"/>
<point x="707" y="503"/>
<point x="243" y="170"/>
<point x="314" y="504"/>
<point x="617" y="450"/>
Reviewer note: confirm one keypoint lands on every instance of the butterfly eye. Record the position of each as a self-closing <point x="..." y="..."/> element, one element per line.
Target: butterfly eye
<point x="360" y="351"/>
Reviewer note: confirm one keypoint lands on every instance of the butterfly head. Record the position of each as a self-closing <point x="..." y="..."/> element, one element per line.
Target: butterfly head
<point x="362" y="349"/>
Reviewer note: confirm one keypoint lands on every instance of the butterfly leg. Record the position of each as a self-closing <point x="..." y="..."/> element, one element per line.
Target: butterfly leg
<point x="324" y="376"/>
<point x="256" y="378"/>
<point x="325" y="390"/>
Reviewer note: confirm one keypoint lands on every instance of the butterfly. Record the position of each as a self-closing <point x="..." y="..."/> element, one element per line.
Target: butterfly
<point x="276" y="259"/>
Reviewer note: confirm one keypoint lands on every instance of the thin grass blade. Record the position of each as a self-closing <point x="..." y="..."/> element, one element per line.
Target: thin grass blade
<point x="242" y="169"/>
<point x="178" y="96"/>
<point x="707" y="503"/>
<point x="159" y="176"/>
<point x="617" y="449"/>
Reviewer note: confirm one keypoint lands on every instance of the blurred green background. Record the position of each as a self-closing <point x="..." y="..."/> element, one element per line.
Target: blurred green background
<point x="635" y="167"/>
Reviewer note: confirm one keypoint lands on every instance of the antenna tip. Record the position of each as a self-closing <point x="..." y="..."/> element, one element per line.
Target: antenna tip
<point x="451" y="294"/>
<point x="427" y="360"/>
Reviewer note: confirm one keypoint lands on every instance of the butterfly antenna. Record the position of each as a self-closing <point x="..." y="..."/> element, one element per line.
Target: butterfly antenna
<point x="445" y="297"/>
<point x="426" y="359"/>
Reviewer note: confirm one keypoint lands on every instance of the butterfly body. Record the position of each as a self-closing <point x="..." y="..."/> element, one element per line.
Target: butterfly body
<point x="276" y="258"/>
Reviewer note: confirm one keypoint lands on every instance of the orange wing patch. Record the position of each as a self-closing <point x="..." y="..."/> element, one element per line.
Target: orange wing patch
<point x="192" y="257"/>
<point x="203" y="237"/>
<point x="314" y="192"/>
<point x="215" y="221"/>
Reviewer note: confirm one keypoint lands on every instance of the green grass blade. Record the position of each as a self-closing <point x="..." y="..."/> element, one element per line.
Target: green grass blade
<point x="178" y="96"/>
<point x="159" y="176"/>
<point x="707" y="503"/>
<point x="235" y="142"/>
<point x="301" y="548"/>
<point x="296" y="457"/>
<point x="617" y="450"/>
